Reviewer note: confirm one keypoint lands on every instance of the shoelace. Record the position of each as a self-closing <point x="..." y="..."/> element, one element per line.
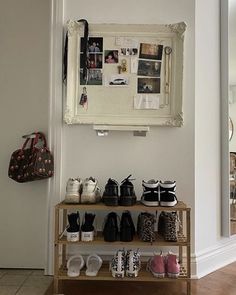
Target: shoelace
<point x="127" y="179"/>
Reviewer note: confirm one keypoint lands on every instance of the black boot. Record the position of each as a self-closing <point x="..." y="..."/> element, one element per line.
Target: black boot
<point x="127" y="193"/>
<point x="127" y="229"/>
<point x="110" y="230"/>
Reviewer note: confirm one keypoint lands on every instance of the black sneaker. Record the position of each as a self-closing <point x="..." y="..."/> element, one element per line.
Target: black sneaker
<point x="127" y="194"/>
<point x="73" y="229"/>
<point x="150" y="195"/>
<point x="110" y="195"/>
<point x="167" y="194"/>
<point x="110" y="230"/>
<point x="127" y="228"/>
<point x="87" y="228"/>
<point x="73" y="220"/>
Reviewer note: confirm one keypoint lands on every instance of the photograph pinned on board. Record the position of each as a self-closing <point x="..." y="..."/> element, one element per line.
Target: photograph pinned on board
<point x="111" y="56"/>
<point x="94" y="77"/>
<point x="95" y="45"/>
<point x="150" y="51"/>
<point x="149" y="68"/>
<point x="128" y="51"/>
<point x="95" y="61"/>
<point x="117" y="80"/>
<point x="149" y="85"/>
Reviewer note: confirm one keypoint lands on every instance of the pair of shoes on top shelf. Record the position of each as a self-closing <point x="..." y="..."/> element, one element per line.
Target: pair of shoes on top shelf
<point x="76" y="263"/>
<point x="125" y="263"/>
<point x="78" y="191"/>
<point x="157" y="193"/>
<point x="160" y="265"/>
<point x="127" y="194"/>
<point x="87" y="228"/>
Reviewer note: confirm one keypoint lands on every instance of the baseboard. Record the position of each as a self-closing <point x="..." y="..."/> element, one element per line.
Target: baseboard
<point x="211" y="259"/>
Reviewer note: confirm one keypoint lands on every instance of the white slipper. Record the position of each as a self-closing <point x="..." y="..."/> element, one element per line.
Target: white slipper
<point x="74" y="265"/>
<point x="93" y="264"/>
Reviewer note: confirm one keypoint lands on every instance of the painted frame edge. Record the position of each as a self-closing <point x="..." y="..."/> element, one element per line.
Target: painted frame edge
<point x="174" y="120"/>
<point x="224" y="46"/>
<point x="54" y="127"/>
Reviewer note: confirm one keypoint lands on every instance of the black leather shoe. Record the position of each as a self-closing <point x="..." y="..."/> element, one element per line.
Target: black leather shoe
<point x="110" y="230"/>
<point x="127" y="228"/>
<point x="127" y="194"/>
<point x="110" y="195"/>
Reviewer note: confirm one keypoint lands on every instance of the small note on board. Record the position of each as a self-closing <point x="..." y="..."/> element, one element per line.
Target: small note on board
<point x="147" y="102"/>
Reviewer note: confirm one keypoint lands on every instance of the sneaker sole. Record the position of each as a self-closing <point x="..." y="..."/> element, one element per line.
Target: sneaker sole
<point x="117" y="274"/>
<point x="88" y="198"/>
<point x="73" y="199"/>
<point x="156" y="274"/>
<point x="173" y="275"/>
<point x="127" y="201"/>
<point x="168" y="204"/>
<point x="110" y="200"/>
<point x="132" y="274"/>
<point x="150" y="204"/>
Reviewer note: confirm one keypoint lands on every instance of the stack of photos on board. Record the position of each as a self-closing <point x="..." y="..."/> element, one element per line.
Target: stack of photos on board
<point x="95" y="61"/>
<point x="149" y="66"/>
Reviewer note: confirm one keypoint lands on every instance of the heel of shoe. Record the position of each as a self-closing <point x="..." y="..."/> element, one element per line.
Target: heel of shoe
<point x="173" y="275"/>
<point x="118" y="274"/>
<point x="132" y="274"/>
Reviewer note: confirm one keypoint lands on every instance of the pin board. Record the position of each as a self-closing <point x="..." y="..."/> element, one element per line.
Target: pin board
<point x="134" y="77"/>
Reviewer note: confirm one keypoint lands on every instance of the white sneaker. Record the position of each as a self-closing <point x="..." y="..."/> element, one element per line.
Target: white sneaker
<point x="73" y="189"/>
<point x="133" y="263"/>
<point x="117" y="264"/>
<point x="91" y="192"/>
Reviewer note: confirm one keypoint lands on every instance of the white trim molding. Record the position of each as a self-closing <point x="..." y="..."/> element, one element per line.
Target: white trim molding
<point x="213" y="258"/>
<point x="55" y="124"/>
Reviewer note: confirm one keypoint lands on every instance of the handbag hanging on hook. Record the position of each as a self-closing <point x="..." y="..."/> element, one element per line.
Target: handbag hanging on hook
<point x="33" y="161"/>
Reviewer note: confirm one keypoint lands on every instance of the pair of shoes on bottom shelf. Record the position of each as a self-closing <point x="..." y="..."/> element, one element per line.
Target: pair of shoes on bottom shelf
<point x="128" y="263"/>
<point x="160" y="265"/>
<point x="76" y="263"/>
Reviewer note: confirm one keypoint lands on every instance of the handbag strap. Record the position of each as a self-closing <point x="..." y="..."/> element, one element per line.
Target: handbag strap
<point x="38" y="136"/>
<point x="26" y="142"/>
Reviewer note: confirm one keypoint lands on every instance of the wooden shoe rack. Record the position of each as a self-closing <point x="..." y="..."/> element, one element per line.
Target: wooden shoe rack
<point x="183" y="244"/>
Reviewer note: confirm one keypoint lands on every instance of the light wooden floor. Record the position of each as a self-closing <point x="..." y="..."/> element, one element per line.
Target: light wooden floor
<point x="221" y="282"/>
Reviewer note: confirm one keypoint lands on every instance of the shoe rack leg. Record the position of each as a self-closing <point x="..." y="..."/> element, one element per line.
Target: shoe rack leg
<point x="56" y="251"/>
<point x="188" y="287"/>
<point x="181" y="233"/>
<point x="56" y="288"/>
<point x="64" y="246"/>
<point x="188" y="223"/>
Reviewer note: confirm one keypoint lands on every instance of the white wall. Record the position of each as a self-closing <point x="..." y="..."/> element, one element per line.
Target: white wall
<point x="166" y="153"/>
<point x="207" y="125"/>
<point x="24" y="84"/>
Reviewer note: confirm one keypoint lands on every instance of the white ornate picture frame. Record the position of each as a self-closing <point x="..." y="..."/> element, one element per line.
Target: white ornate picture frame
<point x="114" y="105"/>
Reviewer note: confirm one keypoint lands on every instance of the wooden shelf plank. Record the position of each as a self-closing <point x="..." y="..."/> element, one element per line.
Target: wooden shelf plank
<point x="104" y="274"/>
<point x="99" y="240"/>
<point x="180" y="206"/>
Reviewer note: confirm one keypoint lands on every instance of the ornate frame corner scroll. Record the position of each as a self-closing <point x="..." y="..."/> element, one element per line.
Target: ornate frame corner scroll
<point x="169" y="114"/>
